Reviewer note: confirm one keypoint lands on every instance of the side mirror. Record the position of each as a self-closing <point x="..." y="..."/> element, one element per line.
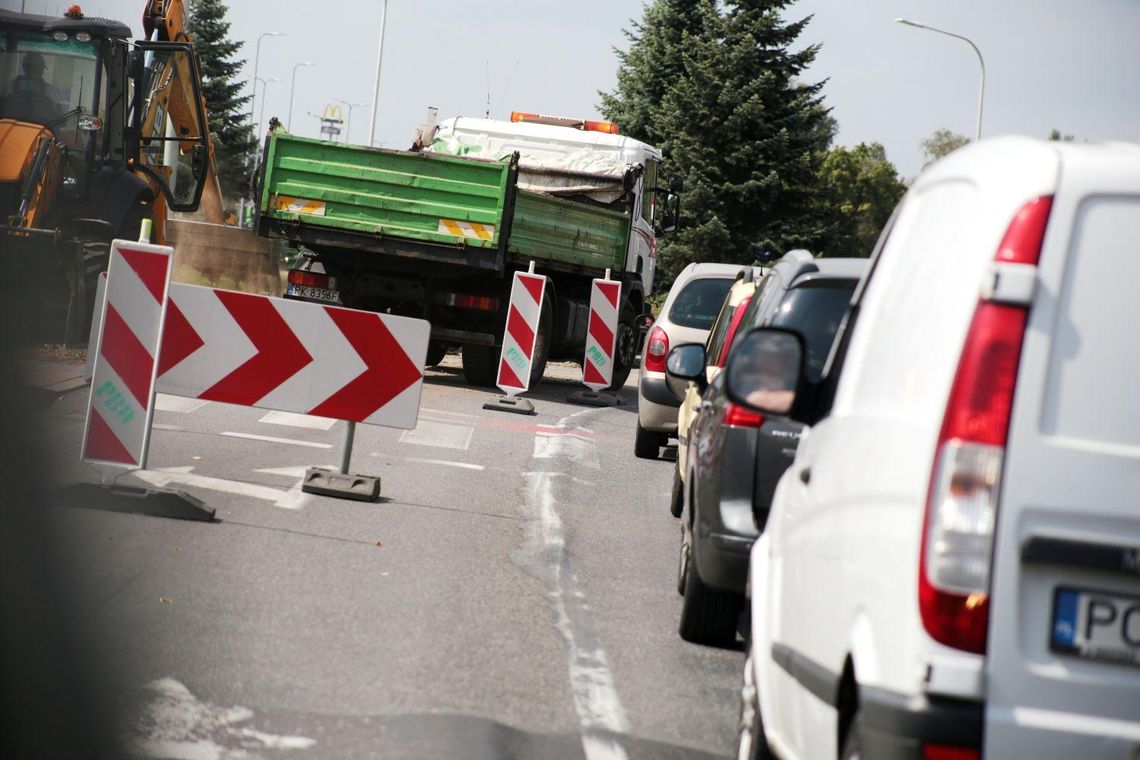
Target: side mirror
<point x="766" y="370"/>
<point x="686" y="362"/>
<point x="677" y="183"/>
<point x="645" y="321"/>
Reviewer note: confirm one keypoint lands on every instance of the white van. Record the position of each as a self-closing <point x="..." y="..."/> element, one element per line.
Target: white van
<point x="951" y="567"/>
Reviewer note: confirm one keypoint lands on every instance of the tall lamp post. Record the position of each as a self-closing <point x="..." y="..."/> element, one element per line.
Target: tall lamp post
<point x="379" y="61"/>
<point x="982" y="63"/>
<point x="293" y="88"/>
<point x="348" y="126"/>
<point x="264" y="86"/>
<point x="256" y="61"/>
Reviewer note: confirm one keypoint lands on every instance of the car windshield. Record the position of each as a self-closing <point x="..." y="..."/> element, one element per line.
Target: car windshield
<point x="815" y="312"/>
<point x="699" y="302"/>
<point x="43" y="79"/>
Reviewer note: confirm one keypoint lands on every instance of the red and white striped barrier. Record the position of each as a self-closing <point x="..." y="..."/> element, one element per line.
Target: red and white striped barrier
<point x="521" y="333"/>
<point x="121" y="403"/>
<point x="601" y="334"/>
<point x="293" y="356"/>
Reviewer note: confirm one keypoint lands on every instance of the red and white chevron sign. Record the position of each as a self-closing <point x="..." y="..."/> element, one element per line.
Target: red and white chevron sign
<point x="519" y="337"/>
<point x="122" y="387"/>
<point x="598" y="362"/>
<point x="292" y="356"/>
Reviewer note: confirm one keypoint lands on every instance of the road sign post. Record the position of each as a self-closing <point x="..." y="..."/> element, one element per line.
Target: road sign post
<point x="520" y="336"/>
<point x="601" y="338"/>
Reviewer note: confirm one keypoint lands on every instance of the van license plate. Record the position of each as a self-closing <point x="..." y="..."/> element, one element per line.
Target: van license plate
<point x="313" y="294"/>
<point x="1096" y="625"/>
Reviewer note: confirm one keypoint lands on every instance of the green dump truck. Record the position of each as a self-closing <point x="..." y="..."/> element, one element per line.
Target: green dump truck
<point x="437" y="232"/>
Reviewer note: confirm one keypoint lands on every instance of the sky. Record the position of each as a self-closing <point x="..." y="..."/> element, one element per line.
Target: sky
<point x="1049" y="63"/>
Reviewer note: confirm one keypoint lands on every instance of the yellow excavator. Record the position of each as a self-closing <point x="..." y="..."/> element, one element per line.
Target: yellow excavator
<point x="97" y="133"/>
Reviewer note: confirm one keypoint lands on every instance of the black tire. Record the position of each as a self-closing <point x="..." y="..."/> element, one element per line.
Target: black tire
<point x="435" y="353"/>
<point x="853" y="742"/>
<point x="625" y="348"/>
<point x="647" y="444"/>
<point x="542" y="343"/>
<point x="708" y="616"/>
<point x="677" y="499"/>
<point x="479" y="365"/>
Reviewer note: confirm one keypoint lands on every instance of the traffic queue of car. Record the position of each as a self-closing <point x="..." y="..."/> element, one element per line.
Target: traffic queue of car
<point x="910" y="481"/>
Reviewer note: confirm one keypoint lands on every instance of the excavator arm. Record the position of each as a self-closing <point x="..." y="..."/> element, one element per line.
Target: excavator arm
<point x="174" y="106"/>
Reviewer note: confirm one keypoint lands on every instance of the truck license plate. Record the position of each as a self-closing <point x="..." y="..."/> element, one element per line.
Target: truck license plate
<point x="313" y="294"/>
<point x="1096" y="626"/>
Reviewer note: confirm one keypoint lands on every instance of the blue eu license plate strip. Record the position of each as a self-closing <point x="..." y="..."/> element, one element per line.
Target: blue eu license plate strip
<point x="1103" y="626"/>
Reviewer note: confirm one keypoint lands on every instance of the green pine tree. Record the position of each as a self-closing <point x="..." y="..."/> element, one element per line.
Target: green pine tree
<point x="749" y="135"/>
<point x="651" y="65"/>
<point x="226" y="106"/>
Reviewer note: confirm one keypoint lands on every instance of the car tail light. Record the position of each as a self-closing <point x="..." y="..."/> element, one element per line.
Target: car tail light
<point x="309" y="279"/>
<point x="656" y="349"/>
<point x="737" y="314"/>
<point x="958" y="530"/>
<point x="741" y="417"/>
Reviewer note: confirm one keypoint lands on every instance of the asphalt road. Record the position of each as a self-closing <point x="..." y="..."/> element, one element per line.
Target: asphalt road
<point x="512" y="595"/>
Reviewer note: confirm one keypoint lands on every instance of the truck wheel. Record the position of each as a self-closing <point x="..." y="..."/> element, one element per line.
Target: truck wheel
<point x="708" y="616"/>
<point x="542" y="343"/>
<point x="479" y="365"/>
<point x="625" y="347"/>
<point x="435" y="353"/>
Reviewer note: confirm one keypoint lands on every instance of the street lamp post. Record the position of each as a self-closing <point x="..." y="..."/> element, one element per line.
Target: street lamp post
<point x="264" y="86"/>
<point x="256" y="61"/>
<point x="293" y="88"/>
<point x="348" y="126"/>
<point x="982" y="63"/>
<point x="379" y="61"/>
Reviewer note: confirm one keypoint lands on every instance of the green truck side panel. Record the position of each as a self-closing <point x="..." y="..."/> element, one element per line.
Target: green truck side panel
<point x="390" y="193"/>
<point x="405" y="195"/>
<point x="546" y="228"/>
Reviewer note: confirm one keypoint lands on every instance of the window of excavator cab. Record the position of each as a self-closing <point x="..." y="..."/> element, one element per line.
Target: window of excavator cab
<point x="50" y="82"/>
<point x="649" y="192"/>
<point x="169" y="124"/>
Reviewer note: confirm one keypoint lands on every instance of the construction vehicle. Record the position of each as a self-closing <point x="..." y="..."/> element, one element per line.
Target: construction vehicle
<point x="97" y="133"/>
<point x="437" y="232"/>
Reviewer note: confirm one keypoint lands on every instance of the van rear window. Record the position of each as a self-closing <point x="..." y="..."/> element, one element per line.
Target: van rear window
<point x="699" y="302"/>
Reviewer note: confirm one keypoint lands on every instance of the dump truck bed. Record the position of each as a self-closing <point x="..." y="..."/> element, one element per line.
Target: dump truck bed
<point x="430" y="206"/>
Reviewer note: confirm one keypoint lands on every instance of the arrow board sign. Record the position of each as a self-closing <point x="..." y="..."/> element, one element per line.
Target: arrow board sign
<point x="292" y="356"/>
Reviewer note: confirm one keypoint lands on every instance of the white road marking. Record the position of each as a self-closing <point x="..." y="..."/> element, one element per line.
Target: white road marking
<point x="445" y="413"/>
<point x="176" y="724"/>
<point x="171" y="428"/>
<point x="461" y="465"/>
<point x="600" y="712"/>
<point x="163" y="478"/>
<point x="444" y="435"/>
<point x="286" y="472"/>
<point x="298" y="420"/>
<point x="272" y="439"/>
<point x="164" y="402"/>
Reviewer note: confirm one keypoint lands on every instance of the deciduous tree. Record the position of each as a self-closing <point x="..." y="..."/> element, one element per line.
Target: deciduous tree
<point x="861" y="189"/>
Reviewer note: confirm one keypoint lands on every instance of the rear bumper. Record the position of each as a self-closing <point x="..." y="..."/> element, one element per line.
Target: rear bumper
<point x="656" y="405"/>
<point x="896" y="726"/>
<point x="722" y="559"/>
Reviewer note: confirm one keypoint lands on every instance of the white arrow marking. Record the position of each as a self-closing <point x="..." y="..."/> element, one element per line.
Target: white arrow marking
<point x="293" y="419"/>
<point x="272" y="439"/>
<point x="286" y="472"/>
<point x="163" y="478"/>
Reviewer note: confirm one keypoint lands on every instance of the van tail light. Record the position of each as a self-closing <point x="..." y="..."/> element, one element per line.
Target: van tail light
<point x="741" y="417"/>
<point x="946" y="752"/>
<point x="656" y="349"/>
<point x="958" y="530"/>
<point x="310" y="279"/>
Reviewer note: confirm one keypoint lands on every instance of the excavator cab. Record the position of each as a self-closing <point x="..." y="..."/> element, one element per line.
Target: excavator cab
<point x="96" y="133"/>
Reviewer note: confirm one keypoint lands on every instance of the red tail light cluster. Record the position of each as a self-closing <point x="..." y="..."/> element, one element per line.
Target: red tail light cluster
<point x="958" y="531"/>
<point x="656" y="349"/>
<point x="309" y="279"/>
<point x="741" y="417"/>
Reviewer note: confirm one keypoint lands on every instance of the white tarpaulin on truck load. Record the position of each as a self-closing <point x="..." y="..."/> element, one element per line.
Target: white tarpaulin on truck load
<point x="552" y="160"/>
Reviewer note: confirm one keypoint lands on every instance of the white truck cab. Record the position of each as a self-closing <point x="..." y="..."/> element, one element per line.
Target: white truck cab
<point x="951" y="567"/>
